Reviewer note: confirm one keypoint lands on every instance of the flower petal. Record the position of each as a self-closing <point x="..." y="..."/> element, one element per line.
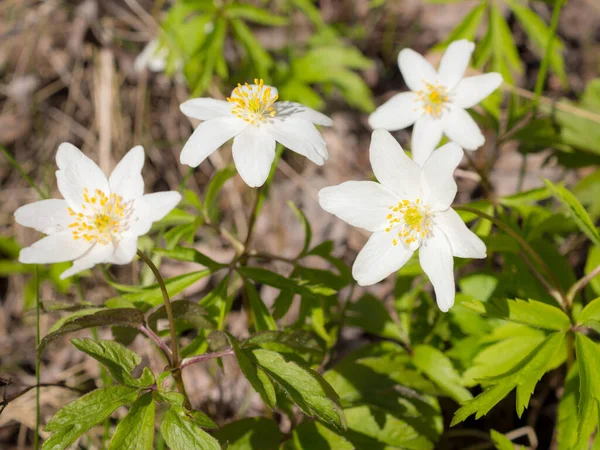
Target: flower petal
<point x="98" y="254"/>
<point x="59" y="247"/>
<point x="426" y="135"/>
<point x="454" y="62"/>
<point x="299" y="111"/>
<point x="437" y="176"/>
<point x="48" y="216"/>
<point x="435" y="256"/>
<point x="392" y="167"/>
<point x="206" y="108"/>
<point x="464" y="243"/>
<point x="76" y="172"/>
<point x="400" y="111"/>
<point x="363" y="204"/>
<point x="460" y="127"/>
<point x="126" y="179"/>
<point x="125" y="250"/>
<point x="472" y="90"/>
<point x="208" y="137"/>
<point x="379" y="258"/>
<point x="415" y="69"/>
<point x="300" y="136"/>
<point x="151" y="208"/>
<point x="253" y="154"/>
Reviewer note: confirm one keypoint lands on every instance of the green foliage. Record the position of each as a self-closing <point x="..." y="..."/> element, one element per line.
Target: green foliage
<point x="250" y="434"/>
<point x="136" y="430"/>
<point x="180" y="432"/>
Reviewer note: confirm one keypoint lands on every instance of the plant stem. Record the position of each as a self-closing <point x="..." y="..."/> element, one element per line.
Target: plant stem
<point x="27" y="178"/>
<point x="206" y="356"/>
<point x="561" y="297"/>
<point x="36" y="437"/>
<point x="541" y="78"/>
<point x="158" y="341"/>
<point x="252" y="220"/>
<point x="581" y="283"/>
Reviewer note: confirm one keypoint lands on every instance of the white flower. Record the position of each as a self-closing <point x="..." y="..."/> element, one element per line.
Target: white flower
<point x="153" y="58"/>
<point x="256" y="120"/>
<point x="438" y="101"/>
<point x="409" y="210"/>
<point x="100" y="219"/>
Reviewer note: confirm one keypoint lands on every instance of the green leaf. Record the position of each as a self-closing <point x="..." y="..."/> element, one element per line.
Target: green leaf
<point x="261" y="60"/>
<point x="187" y="315"/>
<point x="298" y="341"/>
<point x="261" y="317"/>
<point x="591" y="313"/>
<point x="576" y="211"/>
<point x="211" y="211"/>
<point x="305" y="223"/>
<point x="152" y="295"/>
<point x="117" y="359"/>
<point x="588" y="361"/>
<point x="136" y="430"/>
<point x="123" y="317"/>
<point x="568" y="417"/>
<point x="254" y="14"/>
<point x="74" y="419"/>
<point x="305" y="387"/>
<point x="467" y="28"/>
<point x="311" y="435"/>
<point x="267" y="277"/>
<point x="255" y="375"/>
<point x="501" y="441"/>
<point x="189" y="255"/>
<point x="524" y="376"/>
<point x="593" y="261"/>
<point x="82" y="312"/>
<point x="533" y="313"/>
<point x="255" y="433"/>
<point x="217" y="302"/>
<point x="181" y="433"/>
<point x="438" y="368"/>
<point x="370" y="314"/>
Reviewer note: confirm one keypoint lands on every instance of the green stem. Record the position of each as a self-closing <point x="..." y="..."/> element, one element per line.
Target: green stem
<point x="17" y="166"/>
<point x="542" y="74"/>
<point x="561" y="297"/>
<point x="252" y="220"/>
<point x="36" y="436"/>
<point x="581" y="283"/>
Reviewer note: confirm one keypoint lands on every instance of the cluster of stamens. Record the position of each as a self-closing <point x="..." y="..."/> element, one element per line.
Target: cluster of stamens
<point x="101" y="218"/>
<point x="254" y="104"/>
<point x="433" y="99"/>
<point x="411" y="221"/>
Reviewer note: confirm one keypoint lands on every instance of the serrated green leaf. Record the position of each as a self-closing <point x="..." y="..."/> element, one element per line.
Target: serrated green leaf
<point x="568" y="416"/>
<point x="182" y="433"/>
<point x="77" y="417"/>
<point x="187" y="315"/>
<point x="255" y="376"/>
<point x="501" y="441"/>
<point x="311" y="435"/>
<point x="270" y="278"/>
<point x="298" y="341"/>
<point x="123" y="317"/>
<point x="524" y="376"/>
<point x="591" y="313"/>
<point x="136" y="430"/>
<point x="218" y="303"/>
<point x="588" y="362"/>
<point x="576" y="211"/>
<point x="438" y="368"/>
<point x="254" y="433"/>
<point x="82" y="312"/>
<point x="119" y="360"/>
<point x="261" y="317"/>
<point x="189" y="255"/>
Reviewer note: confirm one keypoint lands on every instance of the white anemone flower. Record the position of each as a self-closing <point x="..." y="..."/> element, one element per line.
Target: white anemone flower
<point x="409" y="210"/>
<point x="437" y="101"/>
<point x="256" y="121"/>
<point x="100" y="219"/>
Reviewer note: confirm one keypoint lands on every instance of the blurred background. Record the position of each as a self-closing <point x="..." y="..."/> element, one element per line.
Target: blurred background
<point x="106" y="75"/>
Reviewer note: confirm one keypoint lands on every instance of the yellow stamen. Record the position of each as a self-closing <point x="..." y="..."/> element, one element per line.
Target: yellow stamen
<point x="254" y="104"/>
<point x="433" y="99"/>
<point x="412" y="220"/>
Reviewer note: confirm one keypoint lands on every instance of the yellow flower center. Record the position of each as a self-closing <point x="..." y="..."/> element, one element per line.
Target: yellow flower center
<point x="102" y="218"/>
<point x="253" y="103"/>
<point x="411" y="221"/>
<point x="433" y="99"/>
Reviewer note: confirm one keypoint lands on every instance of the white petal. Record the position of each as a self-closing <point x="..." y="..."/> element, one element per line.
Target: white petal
<point x="435" y="256"/>
<point x="400" y="111"/>
<point x="472" y="90"/>
<point x="454" y="62"/>
<point x="379" y="258"/>
<point x="150" y="208"/>
<point x="126" y="179"/>
<point x="76" y="172"/>
<point x="415" y="69"/>
<point x="299" y="111"/>
<point x="392" y="167"/>
<point x="48" y="216"/>
<point x="253" y="154"/>
<point x="300" y="136"/>
<point x="55" y="248"/>
<point x="426" y="135"/>
<point x="98" y="254"/>
<point x="206" y="108"/>
<point x="437" y="176"/>
<point x="363" y="204"/>
<point x="460" y="127"/>
<point x="125" y="250"/>
<point x="208" y="137"/>
<point x="464" y="243"/>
